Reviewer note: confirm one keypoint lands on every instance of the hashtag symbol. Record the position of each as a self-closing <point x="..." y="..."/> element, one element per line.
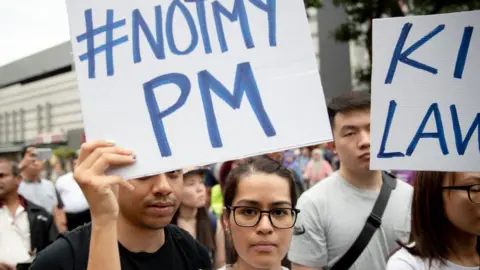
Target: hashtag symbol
<point x="89" y="36"/>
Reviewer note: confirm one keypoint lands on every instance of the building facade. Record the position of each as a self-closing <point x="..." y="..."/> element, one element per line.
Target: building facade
<point x="39" y="102"/>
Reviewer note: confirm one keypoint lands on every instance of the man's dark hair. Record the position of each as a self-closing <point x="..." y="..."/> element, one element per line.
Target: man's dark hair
<point x="25" y="149"/>
<point x="347" y="102"/>
<point x="13" y="164"/>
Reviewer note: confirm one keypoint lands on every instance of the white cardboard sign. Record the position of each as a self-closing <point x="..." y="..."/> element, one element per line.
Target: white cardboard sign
<point x="186" y="83"/>
<point x="426" y="93"/>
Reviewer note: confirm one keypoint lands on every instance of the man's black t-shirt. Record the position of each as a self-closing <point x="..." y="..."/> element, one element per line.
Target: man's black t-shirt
<point x="180" y="251"/>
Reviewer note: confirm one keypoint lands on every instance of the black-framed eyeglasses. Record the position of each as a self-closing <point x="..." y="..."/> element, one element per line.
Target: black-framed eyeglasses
<point x="247" y="216"/>
<point x="473" y="191"/>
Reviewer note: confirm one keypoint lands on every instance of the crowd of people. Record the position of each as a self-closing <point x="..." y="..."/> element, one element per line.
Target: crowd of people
<point x="317" y="207"/>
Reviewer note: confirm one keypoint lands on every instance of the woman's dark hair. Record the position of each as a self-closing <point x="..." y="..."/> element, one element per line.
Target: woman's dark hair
<point x="430" y="226"/>
<point x="205" y="233"/>
<point x="225" y="170"/>
<point x="253" y="165"/>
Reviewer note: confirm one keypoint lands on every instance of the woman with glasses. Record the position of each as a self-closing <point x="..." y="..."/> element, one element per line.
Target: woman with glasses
<point x="259" y="214"/>
<point x="445" y="224"/>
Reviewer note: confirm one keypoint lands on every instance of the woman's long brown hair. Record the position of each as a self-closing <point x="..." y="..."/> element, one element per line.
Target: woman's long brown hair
<point x="430" y="227"/>
<point x="205" y="233"/>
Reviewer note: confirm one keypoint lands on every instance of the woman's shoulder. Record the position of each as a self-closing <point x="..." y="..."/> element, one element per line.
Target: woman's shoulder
<point x="226" y="268"/>
<point x="404" y="260"/>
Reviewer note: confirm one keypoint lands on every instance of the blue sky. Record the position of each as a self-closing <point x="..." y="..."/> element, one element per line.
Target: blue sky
<point x="30" y="26"/>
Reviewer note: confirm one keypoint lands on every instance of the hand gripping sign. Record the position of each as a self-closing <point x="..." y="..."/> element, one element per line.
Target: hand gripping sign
<point x="186" y="83"/>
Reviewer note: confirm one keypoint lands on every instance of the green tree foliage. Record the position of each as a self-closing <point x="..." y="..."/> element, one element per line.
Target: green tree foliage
<point x="63" y="153"/>
<point x="358" y="26"/>
<point x="312" y="3"/>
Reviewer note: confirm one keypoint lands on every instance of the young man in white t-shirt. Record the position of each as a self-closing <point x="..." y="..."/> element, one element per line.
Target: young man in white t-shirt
<point x="334" y="211"/>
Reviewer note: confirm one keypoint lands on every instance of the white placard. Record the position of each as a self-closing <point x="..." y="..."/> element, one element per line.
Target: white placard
<point x="186" y="83"/>
<point x="426" y="93"/>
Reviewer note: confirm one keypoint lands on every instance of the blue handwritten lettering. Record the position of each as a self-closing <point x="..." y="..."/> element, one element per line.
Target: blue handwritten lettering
<point x="463" y="52"/>
<point x="177" y="4"/>
<point x="440" y="134"/>
<point x="200" y="4"/>
<point x="399" y="56"/>
<point x="271" y="8"/>
<point x="238" y="13"/>
<point x="391" y="112"/>
<point x="108" y="46"/>
<point x="244" y="83"/>
<point x="156" y="116"/>
<point x="155" y="44"/>
<point x="460" y="143"/>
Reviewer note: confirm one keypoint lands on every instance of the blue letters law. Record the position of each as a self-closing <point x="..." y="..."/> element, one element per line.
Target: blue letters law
<point x="461" y="142"/>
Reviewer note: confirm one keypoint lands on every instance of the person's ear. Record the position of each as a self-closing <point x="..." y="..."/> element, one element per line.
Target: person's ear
<point x="226" y="226"/>
<point x="225" y="222"/>
<point x="18" y="180"/>
<point x="333" y="146"/>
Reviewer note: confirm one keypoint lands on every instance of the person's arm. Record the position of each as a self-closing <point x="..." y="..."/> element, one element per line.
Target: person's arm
<point x="101" y="191"/>
<point x="308" y="249"/>
<point x="60" y="218"/>
<point x="220" y="246"/>
<point x="59" y="215"/>
<point x="104" y="244"/>
<point x="4" y="266"/>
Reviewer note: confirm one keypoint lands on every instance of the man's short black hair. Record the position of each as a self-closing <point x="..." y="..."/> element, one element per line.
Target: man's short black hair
<point x="347" y="102"/>
<point x="25" y="149"/>
<point x="15" y="169"/>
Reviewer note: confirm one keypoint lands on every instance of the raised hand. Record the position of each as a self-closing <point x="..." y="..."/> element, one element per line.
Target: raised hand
<point x="101" y="190"/>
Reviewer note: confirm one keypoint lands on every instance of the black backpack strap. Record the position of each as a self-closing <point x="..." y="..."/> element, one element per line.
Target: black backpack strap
<point x="371" y="225"/>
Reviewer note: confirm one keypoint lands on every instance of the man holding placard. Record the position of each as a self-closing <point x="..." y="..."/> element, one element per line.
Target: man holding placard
<point x="345" y="218"/>
<point x="130" y="220"/>
<point x="183" y="84"/>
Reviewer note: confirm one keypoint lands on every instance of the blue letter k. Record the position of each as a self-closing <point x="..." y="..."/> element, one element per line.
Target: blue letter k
<point x="398" y="55"/>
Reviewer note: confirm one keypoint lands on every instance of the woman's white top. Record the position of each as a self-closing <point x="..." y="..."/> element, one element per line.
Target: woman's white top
<point x="228" y="267"/>
<point x="404" y="260"/>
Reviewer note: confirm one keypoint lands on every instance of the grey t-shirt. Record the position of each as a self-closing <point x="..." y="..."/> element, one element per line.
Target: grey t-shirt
<point x="333" y="213"/>
<point x="41" y="193"/>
